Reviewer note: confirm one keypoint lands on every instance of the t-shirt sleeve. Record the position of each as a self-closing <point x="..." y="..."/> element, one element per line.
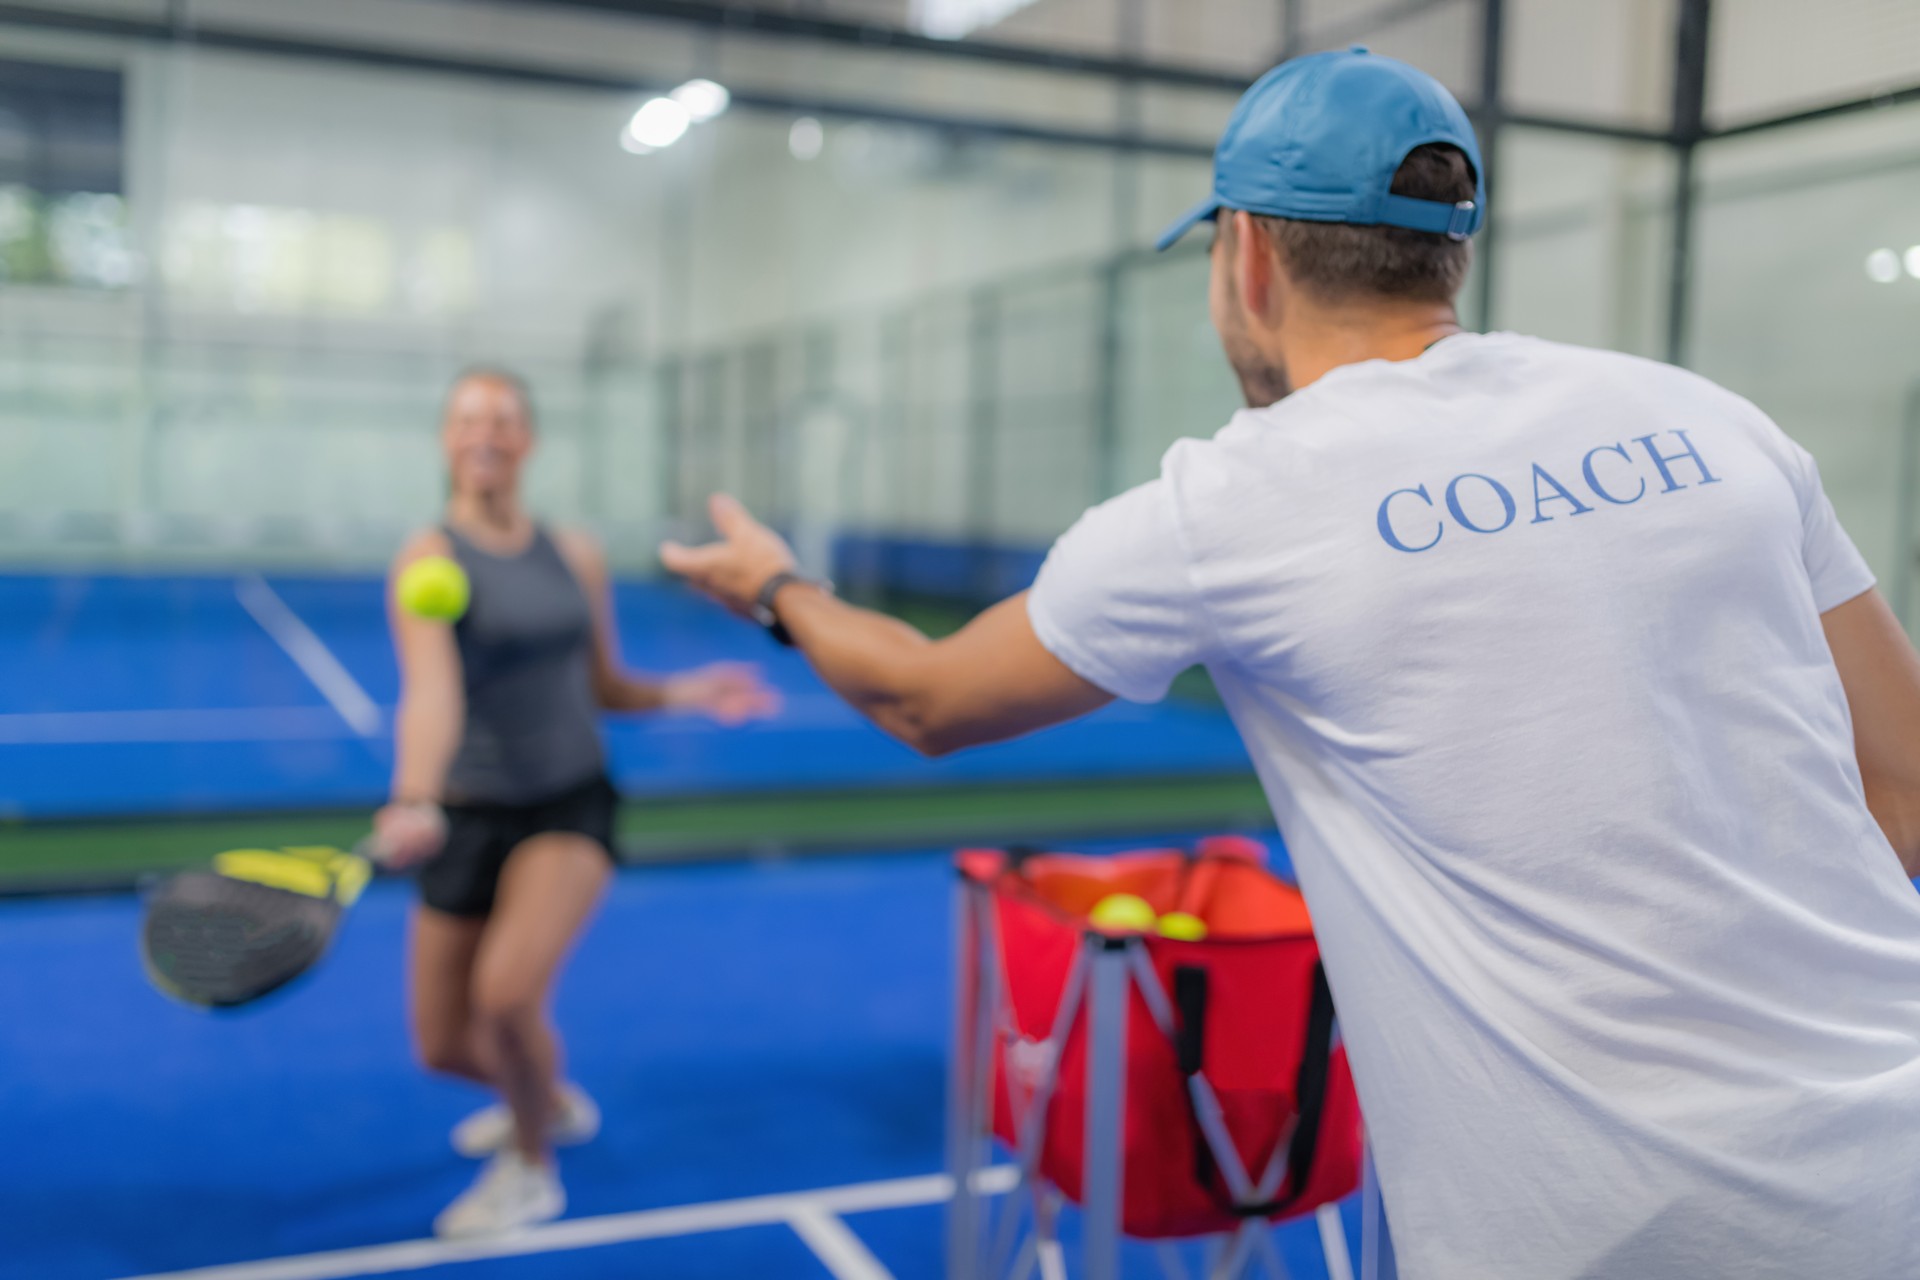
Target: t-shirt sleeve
<point x="1834" y="565"/>
<point x="1114" y="601"/>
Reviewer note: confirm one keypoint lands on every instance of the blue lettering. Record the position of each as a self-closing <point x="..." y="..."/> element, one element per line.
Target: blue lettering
<point x="1593" y="481"/>
<point x="1453" y="503"/>
<point x="1661" y="461"/>
<point x="1539" y="473"/>
<point x="1386" y="524"/>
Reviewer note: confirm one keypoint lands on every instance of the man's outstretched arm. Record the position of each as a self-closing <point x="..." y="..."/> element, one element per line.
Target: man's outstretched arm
<point x="992" y="679"/>
<point x="1881" y="674"/>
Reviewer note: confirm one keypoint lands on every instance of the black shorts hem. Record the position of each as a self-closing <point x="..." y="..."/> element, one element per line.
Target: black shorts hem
<point x="462" y="878"/>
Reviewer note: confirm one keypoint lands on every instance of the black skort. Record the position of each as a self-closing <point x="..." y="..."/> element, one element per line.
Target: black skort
<point x="461" y="879"/>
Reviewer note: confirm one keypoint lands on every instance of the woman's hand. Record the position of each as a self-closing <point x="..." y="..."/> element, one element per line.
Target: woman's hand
<point x="407" y="832"/>
<point x="729" y="692"/>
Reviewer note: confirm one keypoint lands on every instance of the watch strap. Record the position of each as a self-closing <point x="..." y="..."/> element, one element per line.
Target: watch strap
<point x="764" y="612"/>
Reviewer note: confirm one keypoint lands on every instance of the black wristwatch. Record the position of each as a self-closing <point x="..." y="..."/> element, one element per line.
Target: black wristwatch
<point x="763" y="610"/>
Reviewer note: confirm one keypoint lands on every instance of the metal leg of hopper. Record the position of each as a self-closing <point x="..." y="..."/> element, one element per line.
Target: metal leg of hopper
<point x="1108" y="987"/>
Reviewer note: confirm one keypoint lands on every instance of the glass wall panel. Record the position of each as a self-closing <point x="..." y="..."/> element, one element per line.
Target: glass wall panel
<point x="1583" y="227"/>
<point x="1808" y="302"/>
<point x="1771" y="57"/>
<point x="1623" y="73"/>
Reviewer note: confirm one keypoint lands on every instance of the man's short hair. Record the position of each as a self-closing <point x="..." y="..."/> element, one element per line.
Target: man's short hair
<point x="1338" y="262"/>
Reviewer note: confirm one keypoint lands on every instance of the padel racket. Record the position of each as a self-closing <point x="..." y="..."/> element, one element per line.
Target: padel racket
<point x="226" y="935"/>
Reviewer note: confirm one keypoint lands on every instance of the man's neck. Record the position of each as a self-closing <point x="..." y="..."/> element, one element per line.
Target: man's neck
<point x="1317" y="344"/>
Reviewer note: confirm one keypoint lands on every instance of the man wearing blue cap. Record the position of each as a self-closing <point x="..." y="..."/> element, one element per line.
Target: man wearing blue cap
<point x="1597" y="752"/>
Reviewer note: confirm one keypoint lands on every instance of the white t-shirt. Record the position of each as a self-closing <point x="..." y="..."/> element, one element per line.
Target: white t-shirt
<point x="1525" y="642"/>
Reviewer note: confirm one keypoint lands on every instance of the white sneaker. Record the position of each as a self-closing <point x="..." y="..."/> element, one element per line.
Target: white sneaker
<point x="510" y="1192"/>
<point x="575" y="1120"/>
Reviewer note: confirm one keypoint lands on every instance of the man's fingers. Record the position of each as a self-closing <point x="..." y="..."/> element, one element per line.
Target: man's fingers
<point x="687" y="561"/>
<point x="729" y="517"/>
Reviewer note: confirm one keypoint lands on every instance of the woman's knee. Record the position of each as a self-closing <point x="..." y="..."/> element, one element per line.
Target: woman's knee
<point x="445" y="1049"/>
<point x="508" y="1004"/>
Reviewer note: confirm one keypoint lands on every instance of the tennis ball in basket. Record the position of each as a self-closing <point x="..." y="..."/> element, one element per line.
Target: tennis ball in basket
<point x="435" y="588"/>
<point x="1183" y="926"/>
<point x="1122" y="913"/>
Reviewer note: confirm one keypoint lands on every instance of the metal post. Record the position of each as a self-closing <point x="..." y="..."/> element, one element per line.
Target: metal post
<point x="1108" y="295"/>
<point x="1107" y="364"/>
<point x="1689" y="127"/>
<point x="1292" y="29"/>
<point x="1106" y="1103"/>
<point x="1493" y="44"/>
<point x="983" y="432"/>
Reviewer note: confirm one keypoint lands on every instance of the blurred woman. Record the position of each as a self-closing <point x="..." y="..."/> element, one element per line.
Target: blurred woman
<point x="501" y="797"/>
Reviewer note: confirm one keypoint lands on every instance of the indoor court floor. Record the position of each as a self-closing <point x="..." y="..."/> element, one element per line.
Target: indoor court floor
<point x="767" y="1039"/>
<point x="219" y="694"/>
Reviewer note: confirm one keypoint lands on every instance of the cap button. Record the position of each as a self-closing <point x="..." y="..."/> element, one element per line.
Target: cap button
<point x="1358" y="48"/>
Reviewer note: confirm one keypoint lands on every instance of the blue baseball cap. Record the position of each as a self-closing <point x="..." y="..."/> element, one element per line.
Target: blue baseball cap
<point x="1318" y="138"/>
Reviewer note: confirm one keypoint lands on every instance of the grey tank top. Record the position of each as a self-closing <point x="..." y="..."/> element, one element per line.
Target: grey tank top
<point x="532" y="725"/>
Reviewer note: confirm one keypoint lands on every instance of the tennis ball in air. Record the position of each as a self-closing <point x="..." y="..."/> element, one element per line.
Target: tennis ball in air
<point x="433" y="587"/>
<point x="1122" y="913"/>
<point x="1182" y="926"/>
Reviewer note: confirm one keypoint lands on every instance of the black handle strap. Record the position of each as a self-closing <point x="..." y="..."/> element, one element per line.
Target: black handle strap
<point x="1190" y="1053"/>
<point x="1310" y="1099"/>
<point x="1310" y="1091"/>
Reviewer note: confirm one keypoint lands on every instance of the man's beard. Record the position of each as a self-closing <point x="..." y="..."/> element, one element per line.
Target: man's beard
<point x="1263" y="378"/>
<point x="1262" y="381"/>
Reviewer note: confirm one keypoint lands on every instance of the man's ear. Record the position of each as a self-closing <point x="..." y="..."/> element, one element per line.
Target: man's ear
<point x="1254" y="269"/>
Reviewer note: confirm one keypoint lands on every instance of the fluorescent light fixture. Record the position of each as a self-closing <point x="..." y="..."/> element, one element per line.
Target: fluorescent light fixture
<point x="658" y="123"/>
<point x="806" y="139"/>
<point x="952" y="19"/>
<point x="703" y="99"/>
<point x="1913" y="261"/>
<point x="1883" y="266"/>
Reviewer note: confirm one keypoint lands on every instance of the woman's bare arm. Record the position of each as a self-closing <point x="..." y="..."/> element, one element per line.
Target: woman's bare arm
<point x="433" y="700"/>
<point x="729" y="692"/>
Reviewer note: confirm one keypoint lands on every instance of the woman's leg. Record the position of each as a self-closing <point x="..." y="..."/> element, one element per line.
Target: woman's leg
<point x="548" y="890"/>
<point x="441" y="952"/>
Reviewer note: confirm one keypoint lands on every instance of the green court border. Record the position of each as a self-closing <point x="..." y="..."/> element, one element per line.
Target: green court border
<point x="80" y="856"/>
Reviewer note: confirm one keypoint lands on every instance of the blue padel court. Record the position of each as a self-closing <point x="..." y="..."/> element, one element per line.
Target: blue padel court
<point x="768" y="1042"/>
<point x="162" y="695"/>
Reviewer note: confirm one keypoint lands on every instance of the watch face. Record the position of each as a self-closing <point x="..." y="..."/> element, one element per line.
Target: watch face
<point x="763" y="615"/>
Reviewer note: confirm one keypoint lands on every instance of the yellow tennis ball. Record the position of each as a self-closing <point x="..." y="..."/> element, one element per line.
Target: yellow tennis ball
<point x="1182" y="926"/>
<point x="433" y="587"/>
<point x="1122" y="913"/>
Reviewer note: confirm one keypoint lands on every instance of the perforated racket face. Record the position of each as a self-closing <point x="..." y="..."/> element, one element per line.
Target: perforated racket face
<point x="216" y="942"/>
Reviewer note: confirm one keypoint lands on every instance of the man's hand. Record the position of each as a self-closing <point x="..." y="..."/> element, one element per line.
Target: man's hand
<point x="733" y="569"/>
<point x="992" y="679"/>
<point x="729" y="692"/>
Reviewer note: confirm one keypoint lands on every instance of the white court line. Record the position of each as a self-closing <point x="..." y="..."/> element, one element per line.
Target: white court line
<point x="335" y="683"/>
<point x="187" y="724"/>
<point x="613" y="1228"/>
<point x="1333" y="1242"/>
<point x="843" y="1252"/>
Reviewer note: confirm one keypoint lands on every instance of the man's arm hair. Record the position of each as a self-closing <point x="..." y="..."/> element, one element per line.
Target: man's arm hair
<point x="990" y="680"/>
<point x="1881" y="674"/>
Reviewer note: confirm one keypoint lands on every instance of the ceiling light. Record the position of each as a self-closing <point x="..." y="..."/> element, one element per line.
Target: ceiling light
<point x="806" y="139"/>
<point x="1883" y="266"/>
<point x="1913" y="261"/>
<point x="702" y="99"/>
<point x="659" y="123"/>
